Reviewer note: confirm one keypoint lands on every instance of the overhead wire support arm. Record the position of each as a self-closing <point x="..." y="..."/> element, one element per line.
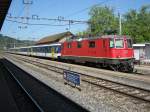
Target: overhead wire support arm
<point x="27" y="2"/>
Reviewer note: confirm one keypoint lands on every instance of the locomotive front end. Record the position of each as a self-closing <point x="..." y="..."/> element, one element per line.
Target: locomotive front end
<point x="122" y="53"/>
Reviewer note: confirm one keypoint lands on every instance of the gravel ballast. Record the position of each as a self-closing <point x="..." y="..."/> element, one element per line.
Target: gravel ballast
<point x="91" y="97"/>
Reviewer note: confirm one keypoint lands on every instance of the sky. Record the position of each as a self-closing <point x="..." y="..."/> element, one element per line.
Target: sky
<point x="53" y="9"/>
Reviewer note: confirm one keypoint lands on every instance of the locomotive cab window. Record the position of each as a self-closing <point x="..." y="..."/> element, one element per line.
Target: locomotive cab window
<point x="119" y="43"/>
<point x="69" y="45"/>
<point x="92" y="44"/>
<point x="79" y="44"/>
<point x="129" y="43"/>
<point x="111" y="43"/>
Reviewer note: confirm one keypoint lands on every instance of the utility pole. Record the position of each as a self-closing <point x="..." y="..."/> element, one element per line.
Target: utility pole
<point x="27" y="4"/>
<point x="120" y="24"/>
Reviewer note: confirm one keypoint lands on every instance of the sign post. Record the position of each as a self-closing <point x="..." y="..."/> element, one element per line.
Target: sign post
<point x="72" y="78"/>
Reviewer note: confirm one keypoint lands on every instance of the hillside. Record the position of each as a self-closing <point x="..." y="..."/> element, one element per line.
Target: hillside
<point x="8" y="42"/>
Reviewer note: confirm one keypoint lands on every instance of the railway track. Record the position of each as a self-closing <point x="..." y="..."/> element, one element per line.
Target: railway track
<point x="131" y="91"/>
<point x="43" y="97"/>
<point x="23" y="101"/>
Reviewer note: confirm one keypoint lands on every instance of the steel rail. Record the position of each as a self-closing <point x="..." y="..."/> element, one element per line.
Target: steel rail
<point x="84" y="76"/>
<point x="19" y="83"/>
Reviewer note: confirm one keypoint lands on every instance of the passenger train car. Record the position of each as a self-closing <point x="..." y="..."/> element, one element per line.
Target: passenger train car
<point x="111" y="51"/>
<point x="49" y="50"/>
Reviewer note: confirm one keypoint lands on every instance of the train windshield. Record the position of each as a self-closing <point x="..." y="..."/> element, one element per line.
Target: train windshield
<point x="119" y="43"/>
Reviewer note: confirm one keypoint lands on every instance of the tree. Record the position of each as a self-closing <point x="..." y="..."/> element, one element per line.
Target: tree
<point x="137" y="24"/>
<point x="102" y="19"/>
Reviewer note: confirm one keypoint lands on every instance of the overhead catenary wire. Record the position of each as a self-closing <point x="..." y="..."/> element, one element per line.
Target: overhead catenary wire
<point x="38" y="23"/>
<point x="77" y="12"/>
<point x="69" y="22"/>
<point x="48" y="19"/>
<point x="11" y="28"/>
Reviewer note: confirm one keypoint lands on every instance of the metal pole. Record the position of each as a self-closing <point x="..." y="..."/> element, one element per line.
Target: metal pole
<point x="120" y="24"/>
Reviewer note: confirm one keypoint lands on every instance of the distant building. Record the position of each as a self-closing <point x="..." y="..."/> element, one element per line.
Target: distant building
<point x="61" y="37"/>
<point x="142" y="51"/>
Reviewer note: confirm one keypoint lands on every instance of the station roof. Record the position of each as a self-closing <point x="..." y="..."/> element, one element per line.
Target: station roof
<point x="4" y="6"/>
<point x="54" y="38"/>
<point x="141" y="45"/>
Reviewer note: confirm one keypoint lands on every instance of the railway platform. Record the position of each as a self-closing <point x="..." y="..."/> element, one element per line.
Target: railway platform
<point x="7" y="103"/>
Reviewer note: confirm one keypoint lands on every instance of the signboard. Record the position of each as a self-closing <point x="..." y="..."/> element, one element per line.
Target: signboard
<point x="72" y="77"/>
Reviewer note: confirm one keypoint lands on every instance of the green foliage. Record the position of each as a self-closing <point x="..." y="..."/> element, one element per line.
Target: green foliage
<point x="8" y="42"/>
<point x="137" y="24"/>
<point x="102" y="19"/>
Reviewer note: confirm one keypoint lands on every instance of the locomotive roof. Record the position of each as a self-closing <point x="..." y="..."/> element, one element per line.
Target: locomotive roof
<point x="98" y="37"/>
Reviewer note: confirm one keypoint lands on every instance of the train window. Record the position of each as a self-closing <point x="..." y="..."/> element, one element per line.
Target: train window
<point x="43" y="50"/>
<point x="129" y="43"/>
<point x="79" y="44"/>
<point x="92" y="44"/>
<point x="69" y="45"/>
<point x="57" y="49"/>
<point x="111" y="43"/>
<point x="119" y="43"/>
<point x="38" y="49"/>
<point x="48" y="49"/>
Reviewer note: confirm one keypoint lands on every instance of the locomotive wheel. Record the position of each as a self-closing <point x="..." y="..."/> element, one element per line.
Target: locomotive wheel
<point x="114" y="67"/>
<point x="131" y="67"/>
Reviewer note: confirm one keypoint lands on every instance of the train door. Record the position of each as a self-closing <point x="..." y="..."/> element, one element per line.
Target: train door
<point x="92" y="50"/>
<point x="53" y="52"/>
<point x="104" y="48"/>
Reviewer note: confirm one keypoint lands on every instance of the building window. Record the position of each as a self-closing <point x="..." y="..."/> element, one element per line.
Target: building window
<point x="69" y="45"/>
<point x="92" y="44"/>
<point x="79" y="44"/>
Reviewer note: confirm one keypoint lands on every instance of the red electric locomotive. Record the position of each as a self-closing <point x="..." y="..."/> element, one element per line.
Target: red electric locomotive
<point x="111" y="51"/>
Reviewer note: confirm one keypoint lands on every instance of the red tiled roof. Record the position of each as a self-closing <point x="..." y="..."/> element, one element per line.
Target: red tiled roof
<point x="54" y="38"/>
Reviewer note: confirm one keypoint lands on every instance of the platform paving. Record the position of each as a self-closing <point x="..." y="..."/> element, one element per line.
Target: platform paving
<point x="7" y="103"/>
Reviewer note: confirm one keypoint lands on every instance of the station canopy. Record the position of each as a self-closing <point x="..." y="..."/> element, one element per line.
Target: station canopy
<point x="4" y="6"/>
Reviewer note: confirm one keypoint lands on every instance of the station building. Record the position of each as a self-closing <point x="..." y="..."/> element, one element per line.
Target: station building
<point x="56" y="38"/>
<point x="142" y="52"/>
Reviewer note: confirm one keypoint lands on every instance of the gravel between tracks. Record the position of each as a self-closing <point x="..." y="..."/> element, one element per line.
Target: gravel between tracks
<point x="93" y="98"/>
<point x="136" y="80"/>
